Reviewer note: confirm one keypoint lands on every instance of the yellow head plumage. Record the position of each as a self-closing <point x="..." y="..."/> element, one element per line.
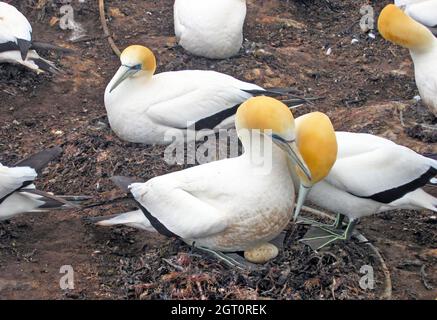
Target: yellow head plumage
<point x="395" y="26"/>
<point x="137" y="55"/>
<point x="317" y="143"/>
<point x="265" y="113"/>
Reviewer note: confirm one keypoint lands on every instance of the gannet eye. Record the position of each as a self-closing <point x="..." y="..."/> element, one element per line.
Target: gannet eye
<point x="137" y="67"/>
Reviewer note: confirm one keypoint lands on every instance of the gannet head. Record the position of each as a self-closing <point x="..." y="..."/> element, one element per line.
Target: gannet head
<point x="273" y="118"/>
<point x="135" y="60"/>
<point x="396" y="26"/>
<point x="317" y="143"/>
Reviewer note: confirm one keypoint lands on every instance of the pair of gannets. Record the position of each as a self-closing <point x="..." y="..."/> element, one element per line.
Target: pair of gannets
<point x="397" y="27"/>
<point x="423" y="11"/>
<point x="237" y="204"/>
<point x="16" y="41"/>
<point x="211" y="29"/>
<point x="144" y="107"/>
<point x="17" y="191"/>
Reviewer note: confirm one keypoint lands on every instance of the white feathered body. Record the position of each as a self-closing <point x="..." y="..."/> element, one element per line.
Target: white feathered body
<point x="147" y="110"/>
<point x="423" y="11"/>
<point x="227" y="205"/>
<point x="368" y="165"/>
<point x="211" y="29"/>
<point x="13" y="24"/>
<point x="10" y="180"/>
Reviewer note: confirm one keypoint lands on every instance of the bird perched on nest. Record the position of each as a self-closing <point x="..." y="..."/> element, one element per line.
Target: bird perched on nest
<point x="371" y="175"/>
<point x="395" y="26"/>
<point x="18" y="193"/>
<point x="237" y="204"/>
<point x="16" y="41"/>
<point x="211" y="29"/>
<point x="144" y="107"/>
<point x="423" y="11"/>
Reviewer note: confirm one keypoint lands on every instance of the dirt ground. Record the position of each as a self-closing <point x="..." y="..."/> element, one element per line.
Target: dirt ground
<point x="367" y="86"/>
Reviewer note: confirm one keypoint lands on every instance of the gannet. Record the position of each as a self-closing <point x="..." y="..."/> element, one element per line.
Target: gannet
<point x="16" y="41"/>
<point x="211" y="29"/>
<point x="371" y="175"/>
<point x="17" y="191"/>
<point x="144" y="107"/>
<point x="423" y="11"/>
<point x="395" y="26"/>
<point x="233" y="204"/>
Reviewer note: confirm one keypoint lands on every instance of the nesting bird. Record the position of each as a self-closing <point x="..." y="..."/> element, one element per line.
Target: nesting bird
<point x="237" y="204"/>
<point x="144" y="107"/>
<point x="16" y="41"/>
<point x="397" y="27"/>
<point x="17" y="191"/>
<point x="371" y="175"/>
<point x="211" y="29"/>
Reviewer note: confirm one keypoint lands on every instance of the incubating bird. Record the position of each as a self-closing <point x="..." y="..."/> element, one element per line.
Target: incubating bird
<point x="395" y="26"/>
<point x="371" y="175"/>
<point x="18" y="193"/>
<point x="237" y="204"/>
<point x="211" y="29"/>
<point x="149" y="108"/>
<point x="16" y="41"/>
<point x="423" y="11"/>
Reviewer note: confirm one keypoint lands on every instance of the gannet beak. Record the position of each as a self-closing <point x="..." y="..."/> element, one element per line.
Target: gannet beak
<point x="129" y="72"/>
<point x="24" y="46"/>
<point x="293" y="152"/>
<point x="303" y="192"/>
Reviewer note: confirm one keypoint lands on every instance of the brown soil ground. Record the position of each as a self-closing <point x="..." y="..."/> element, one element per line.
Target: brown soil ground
<point x="366" y="86"/>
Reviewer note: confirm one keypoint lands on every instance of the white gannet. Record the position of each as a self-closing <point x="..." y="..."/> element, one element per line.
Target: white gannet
<point x="211" y="29"/>
<point x="144" y="107"/>
<point x="423" y="11"/>
<point x="371" y="175"/>
<point x="16" y="41"/>
<point x="228" y="205"/>
<point x="395" y="26"/>
<point x="17" y="191"/>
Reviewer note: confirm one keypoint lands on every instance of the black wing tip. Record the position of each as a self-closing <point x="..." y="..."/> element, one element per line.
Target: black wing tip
<point x="41" y="159"/>
<point x="47" y="67"/>
<point x="24" y="46"/>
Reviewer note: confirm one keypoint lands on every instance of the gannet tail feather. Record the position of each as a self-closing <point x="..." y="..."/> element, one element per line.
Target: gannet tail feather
<point x="134" y="219"/>
<point x="124" y="182"/>
<point x="41" y="159"/>
<point x="50" y="201"/>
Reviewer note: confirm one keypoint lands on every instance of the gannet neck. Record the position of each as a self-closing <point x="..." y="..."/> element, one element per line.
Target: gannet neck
<point x="259" y="148"/>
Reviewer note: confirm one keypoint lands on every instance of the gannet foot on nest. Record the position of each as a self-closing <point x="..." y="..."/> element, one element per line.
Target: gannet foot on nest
<point x="320" y="236"/>
<point x="337" y="224"/>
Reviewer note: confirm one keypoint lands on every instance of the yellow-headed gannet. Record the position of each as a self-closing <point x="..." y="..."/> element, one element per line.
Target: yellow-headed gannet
<point x="144" y="107"/>
<point x="211" y="29"/>
<point x="371" y="175"/>
<point x="237" y="204"/>
<point x="17" y="191"/>
<point x="395" y="26"/>
<point x="16" y="41"/>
